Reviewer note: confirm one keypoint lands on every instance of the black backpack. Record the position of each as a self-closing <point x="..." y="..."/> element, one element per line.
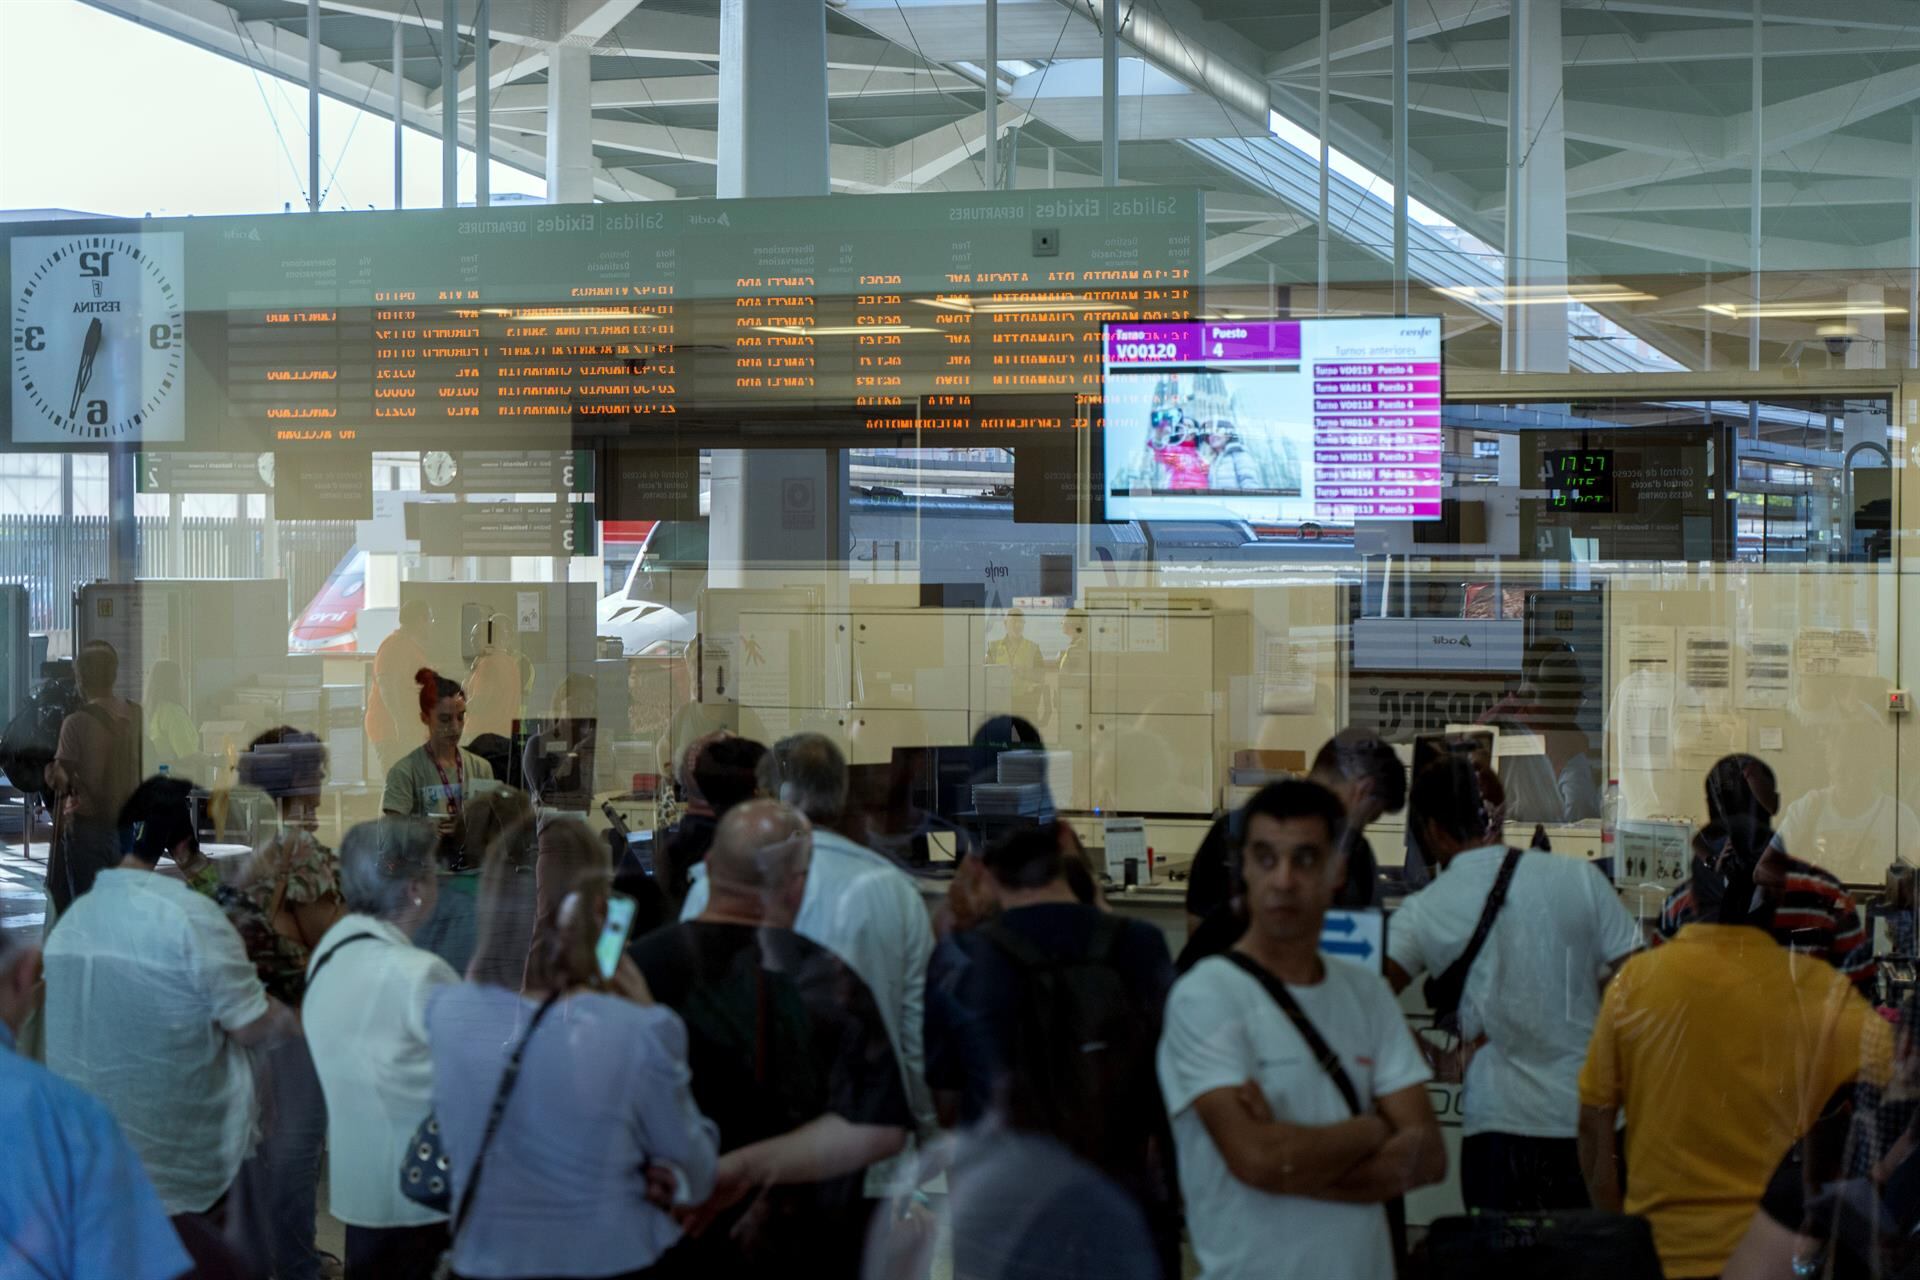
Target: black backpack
<point x="31" y="737"/>
<point x="1080" y="1065"/>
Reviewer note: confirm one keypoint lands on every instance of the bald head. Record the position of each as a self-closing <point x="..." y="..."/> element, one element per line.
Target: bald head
<point x="760" y="854"/>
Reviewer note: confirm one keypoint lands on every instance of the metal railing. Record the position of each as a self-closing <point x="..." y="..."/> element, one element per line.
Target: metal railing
<point x="53" y="555"/>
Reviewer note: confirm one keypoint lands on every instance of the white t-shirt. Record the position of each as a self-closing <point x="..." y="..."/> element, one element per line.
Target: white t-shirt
<point x="1534" y="990"/>
<point x="1223" y="1029"/>
<point x="366" y="1021"/>
<point x="1856" y="846"/>
<point x="145" y="978"/>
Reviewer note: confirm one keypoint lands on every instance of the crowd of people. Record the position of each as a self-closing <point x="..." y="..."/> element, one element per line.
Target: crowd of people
<point x="785" y="1051"/>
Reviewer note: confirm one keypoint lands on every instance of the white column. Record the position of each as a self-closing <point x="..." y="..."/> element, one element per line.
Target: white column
<point x="570" y="126"/>
<point x="773" y="98"/>
<point x="1755" y="210"/>
<point x="1400" y="166"/>
<point x="1536" y="188"/>
<point x="313" y="106"/>
<point x="1913" y="253"/>
<point x="1110" y="94"/>
<point x="450" y="105"/>
<point x="992" y="154"/>
<point x="399" y="99"/>
<point x="482" y="104"/>
<point x="775" y="506"/>
<point x="1323" y="248"/>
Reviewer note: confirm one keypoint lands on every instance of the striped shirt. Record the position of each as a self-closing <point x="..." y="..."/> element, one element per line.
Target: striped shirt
<point x="1812" y="914"/>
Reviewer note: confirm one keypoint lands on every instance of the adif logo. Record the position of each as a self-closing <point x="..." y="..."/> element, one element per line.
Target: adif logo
<point x="1454" y="642"/>
<point x="251" y="233"/>
<point x="709" y="220"/>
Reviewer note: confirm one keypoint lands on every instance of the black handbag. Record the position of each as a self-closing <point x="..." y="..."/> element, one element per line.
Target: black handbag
<point x="1444" y="991"/>
<point x="1584" y="1244"/>
<point x="425" y="1177"/>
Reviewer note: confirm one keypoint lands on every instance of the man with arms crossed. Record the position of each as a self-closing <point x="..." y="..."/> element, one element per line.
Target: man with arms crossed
<point x="1284" y="1177"/>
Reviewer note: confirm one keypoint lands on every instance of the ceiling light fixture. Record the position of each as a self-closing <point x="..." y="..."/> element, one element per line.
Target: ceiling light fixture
<point x="1801" y="310"/>
<point x="1540" y="295"/>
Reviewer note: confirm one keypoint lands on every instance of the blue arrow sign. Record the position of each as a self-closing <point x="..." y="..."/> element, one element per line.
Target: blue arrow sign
<point x="1354" y="935"/>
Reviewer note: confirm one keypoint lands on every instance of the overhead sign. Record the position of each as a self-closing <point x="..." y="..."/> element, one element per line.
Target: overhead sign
<point x="503" y="528"/>
<point x="171" y="472"/>
<point x="561" y="471"/>
<point x="1359" y="936"/>
<point x="513" y="326"/>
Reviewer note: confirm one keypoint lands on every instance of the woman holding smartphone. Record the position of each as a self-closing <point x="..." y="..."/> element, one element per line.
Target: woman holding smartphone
<point x="434" y="780"/>
<point x="599" y="1129"/>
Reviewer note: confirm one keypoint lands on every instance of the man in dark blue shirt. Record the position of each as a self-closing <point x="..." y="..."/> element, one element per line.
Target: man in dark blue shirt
<point x="74" y="1200"/>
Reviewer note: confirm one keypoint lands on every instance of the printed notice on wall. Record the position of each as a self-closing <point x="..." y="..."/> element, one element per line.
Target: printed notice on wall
<point x="1644" y="721"/>
<point x="1647" y="649"/>
<point x="1706" y="661"/>
<point x="1765" y="677"/>
<point x="1286" y="678"/>
<point x="1835" y="651"/>
<point x="1701" y="737"/>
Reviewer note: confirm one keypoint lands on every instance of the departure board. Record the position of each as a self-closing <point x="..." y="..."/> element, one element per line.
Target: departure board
<point x="534" y="325"/>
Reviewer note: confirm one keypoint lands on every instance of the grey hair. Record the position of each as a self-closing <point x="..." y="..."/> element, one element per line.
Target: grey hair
<point x="381" y="860"/>
<point x="809" y="774"/>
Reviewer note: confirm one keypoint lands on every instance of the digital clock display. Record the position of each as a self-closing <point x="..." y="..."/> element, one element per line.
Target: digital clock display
<point x="1578" y="479"/>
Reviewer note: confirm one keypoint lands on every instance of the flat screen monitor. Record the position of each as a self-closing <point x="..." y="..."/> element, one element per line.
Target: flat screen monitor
<point x="1274" y="421"/>
<point x="552" y="761"/>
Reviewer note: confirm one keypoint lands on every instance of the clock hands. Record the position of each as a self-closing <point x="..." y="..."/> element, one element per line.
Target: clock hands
<point x="84" y="374"/>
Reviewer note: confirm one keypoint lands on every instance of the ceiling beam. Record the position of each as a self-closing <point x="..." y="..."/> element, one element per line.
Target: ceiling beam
<point x="1225" y="250"/>
<point x="208" y="24"/>
<point x="1633" y="128"/>
<point x="1825" y="112"/>
<point x="1693" y="197"/>
<point x="641" y="93"/>
<point x="1727" y="247"/>
<point x="1620" y="49"/>
<point x="1873" y="15"/>
<point x="920" y="159"/>
<point x="508" y="63"/>
<point x="1375" y="31"/>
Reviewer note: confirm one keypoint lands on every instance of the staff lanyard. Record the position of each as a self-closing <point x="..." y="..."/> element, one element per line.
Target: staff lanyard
<point x="458" y="787"/>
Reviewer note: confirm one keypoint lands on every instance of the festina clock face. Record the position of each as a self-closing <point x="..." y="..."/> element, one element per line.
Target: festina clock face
<point x="98" y="338"/>
<point x="439" y="469"/>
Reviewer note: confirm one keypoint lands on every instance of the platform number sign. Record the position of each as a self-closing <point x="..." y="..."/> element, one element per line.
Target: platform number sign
<point x="98" y="338"/>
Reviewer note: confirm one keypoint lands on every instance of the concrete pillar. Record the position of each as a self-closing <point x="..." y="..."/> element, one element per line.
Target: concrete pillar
<point x="775" y="507"/>
<point x="450" y="105"/>
<point x="399" y="100"/>
<point x="1536" y="189"/>
<point x="1110" y="93"/>
<point x="482" y="105"/>
<point x="570" y="126"/>
<point x="992" y="154"/>
<point x="1401" y="169"/>
<point x="773" y="98"/>
<point x="313" y="106"/>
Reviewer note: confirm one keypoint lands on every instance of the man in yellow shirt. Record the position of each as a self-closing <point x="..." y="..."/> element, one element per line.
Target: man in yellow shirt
<point x="1724" y="1047"/>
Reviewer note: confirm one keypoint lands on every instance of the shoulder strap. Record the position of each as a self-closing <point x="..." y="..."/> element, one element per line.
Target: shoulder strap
<point x="335" y="949"/>
<point x="508" y="1079"/>
<point x="1316" y="1043"/>
<point x="1496" y="898"/>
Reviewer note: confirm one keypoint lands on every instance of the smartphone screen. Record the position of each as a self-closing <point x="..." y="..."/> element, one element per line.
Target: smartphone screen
<point x="613" y="935"/>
